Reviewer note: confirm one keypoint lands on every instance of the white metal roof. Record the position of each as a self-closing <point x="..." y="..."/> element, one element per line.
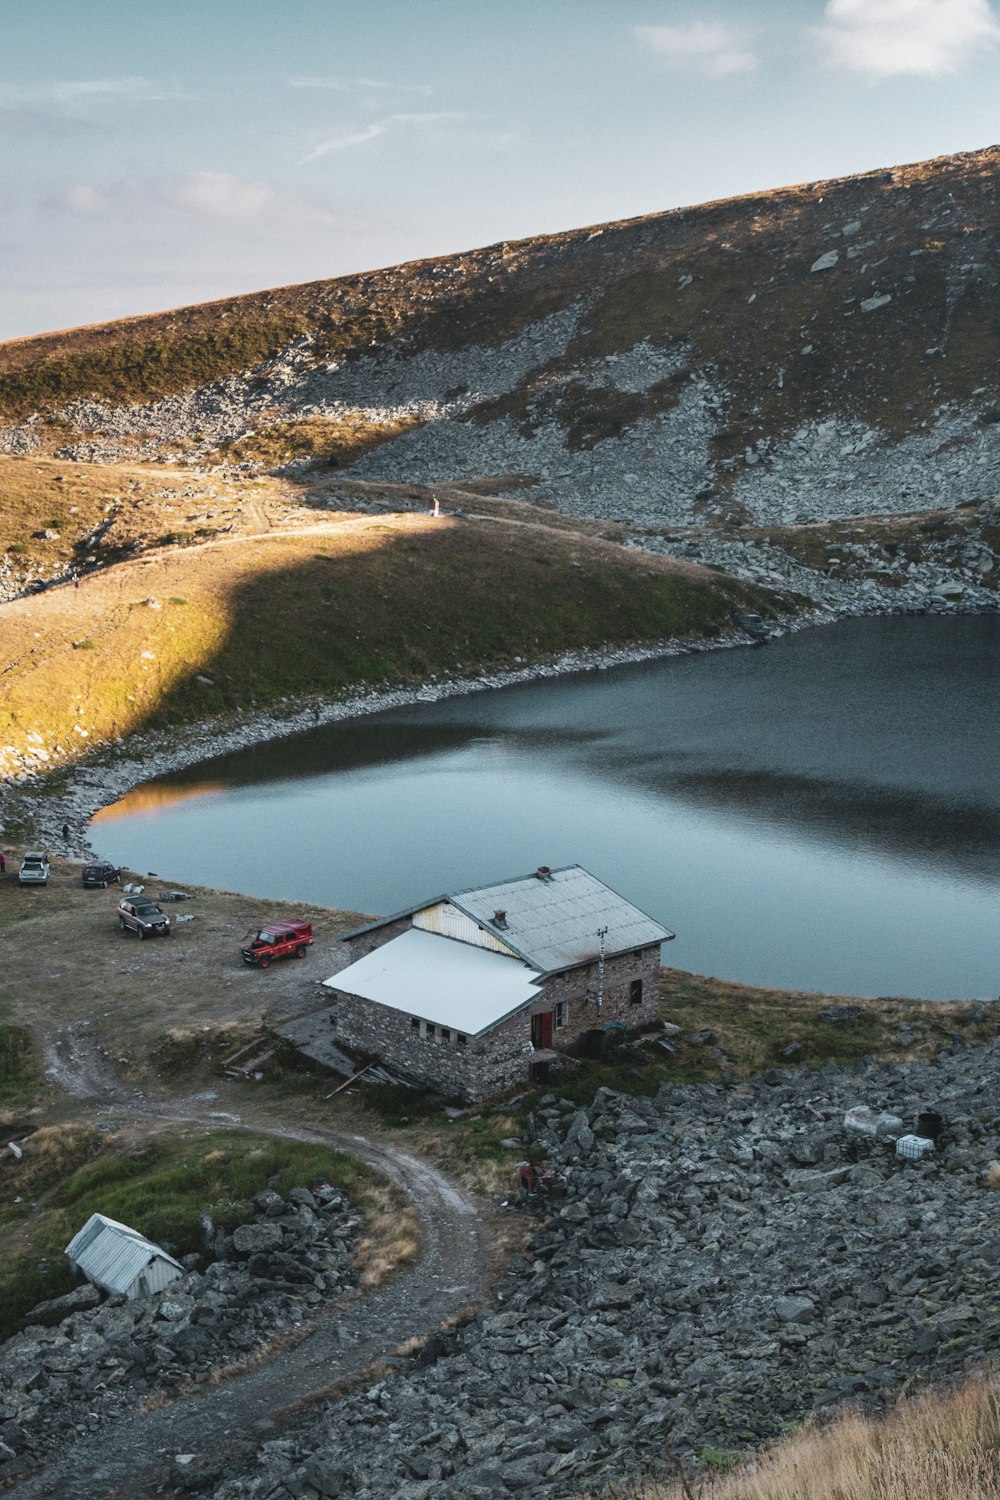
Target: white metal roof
<point x="441" y="980"/>
<point x="111" y="1254"/>
<point x="552" y="923"/>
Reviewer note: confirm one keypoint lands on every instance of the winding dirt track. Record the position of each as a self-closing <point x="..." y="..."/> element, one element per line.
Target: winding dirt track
<point x="130" y="1458"/>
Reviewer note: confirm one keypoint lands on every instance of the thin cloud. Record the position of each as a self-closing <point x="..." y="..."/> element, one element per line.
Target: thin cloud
<point x="895" y="38"/>
<point x="32" y="122"/>
<point x="354" y="85"/>
<point x="712" y="47"/>
<point x="80" y="91"/>
<point x="380" y="127"/>
<point x="192" y="195"/>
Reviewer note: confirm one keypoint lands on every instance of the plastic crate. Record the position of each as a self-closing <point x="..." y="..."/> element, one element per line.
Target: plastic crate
<point x="914" y="1147"/>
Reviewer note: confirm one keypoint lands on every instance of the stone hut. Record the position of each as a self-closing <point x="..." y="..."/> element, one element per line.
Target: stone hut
<point x="477" y="991"/>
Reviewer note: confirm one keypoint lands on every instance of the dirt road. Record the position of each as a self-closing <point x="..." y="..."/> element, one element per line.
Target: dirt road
<point x="131" y="1458"/>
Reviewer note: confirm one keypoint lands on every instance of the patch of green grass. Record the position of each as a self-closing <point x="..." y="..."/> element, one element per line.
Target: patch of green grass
<point x="720" y="1458"/>
<point x="159" y="1189"/>
<point x="20" y="1075"/>
<point x="277" y="622"/>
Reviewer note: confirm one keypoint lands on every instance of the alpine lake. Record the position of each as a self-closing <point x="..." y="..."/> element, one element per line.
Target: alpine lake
<point x="820" y="813"/>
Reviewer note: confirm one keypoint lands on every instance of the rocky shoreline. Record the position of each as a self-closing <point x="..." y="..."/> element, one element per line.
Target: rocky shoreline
<point x="45" y="799"/>
<point x="109" y="773"/>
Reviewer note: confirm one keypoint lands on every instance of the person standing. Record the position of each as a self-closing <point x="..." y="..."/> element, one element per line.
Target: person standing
<point x="3" y="863"/>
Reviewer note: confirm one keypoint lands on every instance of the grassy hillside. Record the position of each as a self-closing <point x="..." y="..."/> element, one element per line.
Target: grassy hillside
<point x="181" y="634"/>
<point x="732" y="280"/>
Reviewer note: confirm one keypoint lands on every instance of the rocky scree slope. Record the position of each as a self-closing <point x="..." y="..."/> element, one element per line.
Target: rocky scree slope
<point x="726" y="1260"/>
<point x="816" y="352"/>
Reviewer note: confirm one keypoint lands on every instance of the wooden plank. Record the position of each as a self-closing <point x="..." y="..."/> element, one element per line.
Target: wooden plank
<point x="245" y="1069"/>
<point x="240" y="1051"/>
<point x="341" y="1086"/>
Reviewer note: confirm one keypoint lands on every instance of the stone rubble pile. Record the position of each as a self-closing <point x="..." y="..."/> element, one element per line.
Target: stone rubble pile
<point x="862" y="577"/>
<point x="726" y="1260"/>
<point x="101" y="1358"/>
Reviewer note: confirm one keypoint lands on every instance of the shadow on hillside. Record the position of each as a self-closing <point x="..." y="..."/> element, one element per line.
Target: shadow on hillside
<point x="410" y="600"/>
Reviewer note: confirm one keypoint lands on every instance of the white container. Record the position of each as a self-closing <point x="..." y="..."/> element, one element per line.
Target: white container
<point x="914" y="1147"/>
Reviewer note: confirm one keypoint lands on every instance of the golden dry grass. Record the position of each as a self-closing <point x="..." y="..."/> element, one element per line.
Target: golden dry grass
<point x="52" y="1151"/>
<point x="390" y="1235"/>
<point x="938" y="1446"/>
<point x="287" y="615"/>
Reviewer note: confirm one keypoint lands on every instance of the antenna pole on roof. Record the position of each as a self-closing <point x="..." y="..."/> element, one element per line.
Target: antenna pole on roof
<point x="602" y="933"/>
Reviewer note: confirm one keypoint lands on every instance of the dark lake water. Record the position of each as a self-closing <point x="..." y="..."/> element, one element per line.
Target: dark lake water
<point x="822" y="813"/>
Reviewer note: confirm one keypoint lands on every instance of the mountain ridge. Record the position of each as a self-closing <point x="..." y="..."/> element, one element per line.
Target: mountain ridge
<point x="489" y="296"/>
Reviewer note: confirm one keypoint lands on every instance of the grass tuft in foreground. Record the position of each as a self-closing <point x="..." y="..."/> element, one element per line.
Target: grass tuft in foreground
<point x="931" y="1447"/>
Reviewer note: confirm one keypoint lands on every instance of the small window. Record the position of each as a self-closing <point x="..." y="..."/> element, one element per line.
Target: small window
<point x="430" y="1031"/>
<point x="414" y="1023"/>
<point x="635" y="992"/>
<point x="562" y="1013"/>
<point x="459" y="1039"/>
<point x="445" y="1034"/>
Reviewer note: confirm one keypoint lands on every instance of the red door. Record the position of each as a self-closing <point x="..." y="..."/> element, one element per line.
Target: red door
<point x="541" y="1029"/>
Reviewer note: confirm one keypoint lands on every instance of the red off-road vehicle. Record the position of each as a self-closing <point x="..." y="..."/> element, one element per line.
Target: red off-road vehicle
<point x="278" y="940"/>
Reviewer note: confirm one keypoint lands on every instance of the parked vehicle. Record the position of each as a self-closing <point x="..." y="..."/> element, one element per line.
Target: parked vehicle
<point x="101" y="875"/>
<point x="278" y="940"/>
<point x="34" y="869"/>
<point x="135" y="914"/>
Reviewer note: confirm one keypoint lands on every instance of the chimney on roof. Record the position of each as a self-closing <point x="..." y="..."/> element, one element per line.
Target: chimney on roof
<point x="543" y="872"/>
<point x="499" y="919"/>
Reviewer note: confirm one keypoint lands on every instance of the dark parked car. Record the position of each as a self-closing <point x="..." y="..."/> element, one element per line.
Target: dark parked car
<point x="135" y="914"/>
<point x="101" y="875"/>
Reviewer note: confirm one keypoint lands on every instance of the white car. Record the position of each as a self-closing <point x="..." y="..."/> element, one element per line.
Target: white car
<point x="34" y="869"/>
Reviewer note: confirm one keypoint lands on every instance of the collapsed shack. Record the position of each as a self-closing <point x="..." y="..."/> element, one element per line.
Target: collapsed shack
<point x="120" y="1260"/>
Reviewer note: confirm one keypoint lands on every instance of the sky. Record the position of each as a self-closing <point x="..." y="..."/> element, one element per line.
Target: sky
<point x="160" y="152"/>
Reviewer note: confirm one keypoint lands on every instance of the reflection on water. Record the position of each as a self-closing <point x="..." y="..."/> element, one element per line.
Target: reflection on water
<point x="156" y="796"/>
<point x="823" y="813"/>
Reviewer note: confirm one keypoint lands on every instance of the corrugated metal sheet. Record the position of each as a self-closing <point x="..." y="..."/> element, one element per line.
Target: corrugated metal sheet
<point x="119" y="1259"/>
<point x="553" y="923"/>
<point x="458" y="985"/>
<point x="445" y="918"/>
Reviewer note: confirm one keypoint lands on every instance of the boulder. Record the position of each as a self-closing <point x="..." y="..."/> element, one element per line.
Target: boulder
<point x="795" y="1309"/>
<point x="256" y="1239"/>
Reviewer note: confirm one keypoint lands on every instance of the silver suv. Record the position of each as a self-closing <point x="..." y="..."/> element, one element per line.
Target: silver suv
<point x="34" y="869"/>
